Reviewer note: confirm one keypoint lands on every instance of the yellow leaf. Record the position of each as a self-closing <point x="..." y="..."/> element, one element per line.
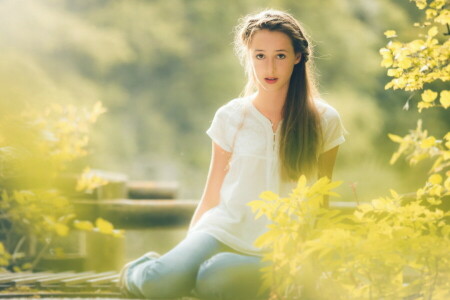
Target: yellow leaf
<point x="266" y="239"/>
<point x="445" y="98"/>
<point x="446" y="155"/>
<point x="417" y="158"/>
<point x="104" y="226"/>
<point x="447" y="184"/>
<point x="378" y="203"/>
<point x="387" y="62"/>
<point x="421" y="4"/>
<point x="302" y="181"/>
<point x="269" y="196"/>
<point x="421" y="105"/>
<point x="438" y="4"/>
<point x="437" y="164"/>
<point x="394" y="158"/>
<point x="431" y="13"/>
<point x="394" y="194"/>
<point x="435" y="179"/>
<point x="334" y="184"/>
<point x="61" y="229"/>
<point x="394" y="45"/>
<point x="395" y="138"/>
<point x="432" y="31"/>
<point x="429" y="96"/>
<point x="365" y="207"/>
<point x="394" y="72"/>
<point x="259" y="214"/>
<point x="444" y="17"/>
<point x="428" y="142"/>
<point x="385" y="52"/>
<point x="390" y="33"/>
<point x="435" y="190"/>
<point x="405" y="63"/>
<point x="83" y="225"/>
<point x="434" y="201"/>
<point x="416" y="45"/>
<point x="420" y="193"/>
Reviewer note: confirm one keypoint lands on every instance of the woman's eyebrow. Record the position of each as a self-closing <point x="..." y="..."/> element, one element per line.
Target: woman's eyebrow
<point x="280" y="50"/>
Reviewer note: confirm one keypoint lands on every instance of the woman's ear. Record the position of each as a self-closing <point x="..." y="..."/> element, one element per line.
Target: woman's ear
<point x="298" y="58"/>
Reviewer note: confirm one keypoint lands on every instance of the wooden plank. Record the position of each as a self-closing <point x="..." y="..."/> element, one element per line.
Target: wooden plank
<point x="35" y="278"/>
<point x="84" y="278"/>
<point x="56" y="278"/>
<point x="106" y="279"/>
<point x="19" y="276"/>
<point x="12" y="274"/>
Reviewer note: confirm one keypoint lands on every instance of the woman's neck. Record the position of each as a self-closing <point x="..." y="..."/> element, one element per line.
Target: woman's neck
<point x="270" y="103"/>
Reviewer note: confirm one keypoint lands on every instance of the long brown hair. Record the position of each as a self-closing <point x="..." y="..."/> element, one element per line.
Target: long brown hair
<point x="301" y="133"/>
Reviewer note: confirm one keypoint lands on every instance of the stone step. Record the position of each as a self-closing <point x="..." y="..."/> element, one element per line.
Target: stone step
<point x="152" y="189"/>
<point x="135" y="214"/>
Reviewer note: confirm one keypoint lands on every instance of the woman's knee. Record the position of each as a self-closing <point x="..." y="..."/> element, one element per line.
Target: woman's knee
<point x="158" y="280"/>
<point x="229" y="276"/>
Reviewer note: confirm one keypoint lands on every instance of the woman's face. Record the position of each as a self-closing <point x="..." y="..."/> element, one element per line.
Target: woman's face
<point x="272" y="58"/>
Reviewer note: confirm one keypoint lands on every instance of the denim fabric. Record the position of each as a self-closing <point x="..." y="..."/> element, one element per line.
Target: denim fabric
<point x="230" y="276"/>
<point x="199" y="265"/>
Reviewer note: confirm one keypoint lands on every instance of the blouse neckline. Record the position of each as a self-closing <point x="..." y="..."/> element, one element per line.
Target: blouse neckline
<point x="262" y="117"/>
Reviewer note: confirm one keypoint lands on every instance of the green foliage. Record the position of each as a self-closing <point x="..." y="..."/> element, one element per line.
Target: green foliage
<point x="423" y="60"/>
<point x="415" y="64"/>
<point x="34" y="154"/>
<point x="163" y="67"/>
<point x="385" y="250"/>
<point x="393" y="247"/>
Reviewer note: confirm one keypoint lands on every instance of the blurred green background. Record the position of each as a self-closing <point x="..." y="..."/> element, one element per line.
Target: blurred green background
<point x="161" y="68"/>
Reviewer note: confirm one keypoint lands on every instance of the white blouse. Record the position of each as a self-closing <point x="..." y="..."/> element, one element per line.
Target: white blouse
<point x="240" y="128"/>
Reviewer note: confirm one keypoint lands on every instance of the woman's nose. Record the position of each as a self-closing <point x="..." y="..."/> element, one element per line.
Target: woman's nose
<point x="272" y="66"/>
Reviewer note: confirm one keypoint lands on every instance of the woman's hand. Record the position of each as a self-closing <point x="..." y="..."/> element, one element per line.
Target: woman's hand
<point x="218" y="168"/>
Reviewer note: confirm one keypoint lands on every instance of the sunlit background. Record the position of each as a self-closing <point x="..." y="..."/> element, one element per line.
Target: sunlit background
<point x="162" y="68"/>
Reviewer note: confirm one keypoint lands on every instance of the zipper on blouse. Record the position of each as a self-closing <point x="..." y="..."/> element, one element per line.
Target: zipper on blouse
<point x="274" y="141"/>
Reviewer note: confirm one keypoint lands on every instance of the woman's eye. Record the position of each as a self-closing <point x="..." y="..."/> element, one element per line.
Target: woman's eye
<point x="259" y="56"/>
<point x="281" y="56"/>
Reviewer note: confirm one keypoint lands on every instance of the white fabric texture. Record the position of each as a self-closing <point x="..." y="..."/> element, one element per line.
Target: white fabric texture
<point x="240" y="128"/>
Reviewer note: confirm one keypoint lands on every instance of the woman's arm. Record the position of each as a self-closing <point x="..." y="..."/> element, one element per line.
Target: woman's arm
<point x="218" y="168"/>
<point x="326" y="165"/>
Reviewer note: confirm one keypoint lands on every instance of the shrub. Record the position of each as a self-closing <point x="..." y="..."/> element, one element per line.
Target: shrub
<point x="392" y="247"/>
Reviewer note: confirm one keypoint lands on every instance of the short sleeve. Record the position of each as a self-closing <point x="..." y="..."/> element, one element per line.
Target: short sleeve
<point x="332" y="128"/>
<point x="218" y="130"/>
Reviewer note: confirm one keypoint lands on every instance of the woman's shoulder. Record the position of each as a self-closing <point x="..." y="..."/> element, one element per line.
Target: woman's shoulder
<point x="235" y="104"/>
<point x="233" y="107"/>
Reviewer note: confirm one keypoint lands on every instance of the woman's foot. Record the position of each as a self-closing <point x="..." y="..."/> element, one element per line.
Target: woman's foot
<point x="123" y="276"/>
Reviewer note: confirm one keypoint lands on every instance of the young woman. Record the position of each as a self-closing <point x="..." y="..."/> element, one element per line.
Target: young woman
<point x="262" y="141"/>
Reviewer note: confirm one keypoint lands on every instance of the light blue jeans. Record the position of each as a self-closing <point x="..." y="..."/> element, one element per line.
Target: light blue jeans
<point x="198" y="266"/>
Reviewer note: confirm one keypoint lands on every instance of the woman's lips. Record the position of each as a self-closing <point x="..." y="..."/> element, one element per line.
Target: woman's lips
<point x="271" y="80"/>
